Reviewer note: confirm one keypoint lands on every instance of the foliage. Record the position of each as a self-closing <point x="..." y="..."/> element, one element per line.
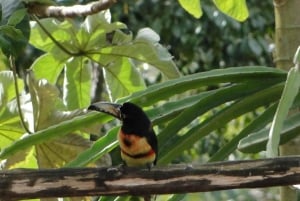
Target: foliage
<point x="184" y="109"/>
<point x="213" y="41"/>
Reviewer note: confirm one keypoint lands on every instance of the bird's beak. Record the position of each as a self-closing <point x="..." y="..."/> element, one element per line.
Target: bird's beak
<point x="108" y="108"/>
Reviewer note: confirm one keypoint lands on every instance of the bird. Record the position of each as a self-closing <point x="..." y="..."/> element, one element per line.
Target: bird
<point x="136" y="137"/>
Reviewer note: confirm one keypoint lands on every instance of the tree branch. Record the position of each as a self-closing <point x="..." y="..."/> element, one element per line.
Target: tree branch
<point x="43" y="10"/>
<point x="28" y="183"/>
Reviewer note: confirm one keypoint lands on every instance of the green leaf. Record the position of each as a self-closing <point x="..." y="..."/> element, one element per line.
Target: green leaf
<point x="45" y="99"/>
<point x="256" y="142"/>
<point x="288" y="96"/>
<point x="96" y="31"/>
<point x="171" y="109"/>
<point x="57" y="152"/>
<point x="77" y="83"/>
<point x="11" y="32"/>
<point x="258" y="123"/>
<point x="193" y="7"/>
<point x="122" y="79"/>
<point x="175" y="144"/>
<point x="17" y="17"/>
<point x="7" y="87"/>
<point x="51" y="132"/>
<point x="62" y="32"/>
<point x="9" y="134"/>
<point x="235" y="9"/>
<point x="145" y="48"/>
<point x="48" y="67"/>
<point x="164" y="90"/>
<point x="24" y="159"/>
<point x="102" y="146"/>
<point x="14" y="27"/>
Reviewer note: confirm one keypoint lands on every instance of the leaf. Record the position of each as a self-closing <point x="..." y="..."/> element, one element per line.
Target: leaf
<point x="9" y="134"/>
<point x="143" y="49"/>
<point x="129" y="79"/>
<point x="45" y="98"/>
<point x="235" y="9"/>
<point x="175" y="144"/>
<point x="7" y="87"/>
<point x="171" y="109"/>
<point x="147" y="35"/>
<point x="24" y="159"/>
<point x="256" y="141"/>
<point x="14" y="27"/>
<point x="258" y="123"/>
<point x="288" y="96"/>
<point x="77" y="84"/>
<point x="102" y="146"/>
<point x="16" y="17"/>
<point x="48" y="67"/>
<point x="8" y="110"/>
<point x="51" y="132"/>
<point x="193" y="7"/>
<point x="164" y="90"/>
<point x="62" y="32"/>
<point x="57" y="152"/>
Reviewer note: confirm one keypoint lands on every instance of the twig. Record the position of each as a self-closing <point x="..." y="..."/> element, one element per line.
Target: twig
<point x="65" y="50"/>
<point x="13" y="68"/>
<point x="64" y="182"/>
<point x="43" y="10"/>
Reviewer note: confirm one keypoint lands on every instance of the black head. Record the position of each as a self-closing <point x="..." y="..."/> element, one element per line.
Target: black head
<point x="134" y="119"/>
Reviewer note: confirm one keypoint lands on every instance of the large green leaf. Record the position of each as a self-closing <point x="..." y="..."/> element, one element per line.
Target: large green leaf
<point x="102" y="146"/>
<point x="51" y="132"/>
<point x="129" y="79"/>
<point x="288" y="95"/>
<point x="48" y="67"/>
<point x="77" y="84"/>
<point x="45" y="98"/>
<point x="173" y="145"/>
<point x="10" y="128"/>
<point x="258" y="123"/>
<point x="144" y="48"/>
<point x="235" y="9"/>
<point x="164" y="90"/>
<point x="257" y="141"/>
<point x="62" y="32"/>
<point x="57" y="152"/>
<point x="7" y="87"/>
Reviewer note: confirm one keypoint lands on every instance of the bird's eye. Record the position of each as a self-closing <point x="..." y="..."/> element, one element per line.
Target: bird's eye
<point x="123" y="116"/>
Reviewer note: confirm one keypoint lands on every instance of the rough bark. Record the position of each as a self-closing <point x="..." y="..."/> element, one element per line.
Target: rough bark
<point x="27" y="183"/>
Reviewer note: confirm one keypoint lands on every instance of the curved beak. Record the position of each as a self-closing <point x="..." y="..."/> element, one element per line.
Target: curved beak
<point x="108" y="108"/>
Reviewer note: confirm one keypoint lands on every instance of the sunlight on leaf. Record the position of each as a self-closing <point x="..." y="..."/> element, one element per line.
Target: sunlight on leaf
<point x="129" y="79"/>
<point x="48" y="67"/>
<point x="57" y="152"/>
<point x="235" y="9"/>
<point x="77" y="84"/>
<point x="288" y="95"/>
<point x="193" y="7"/>
<point x="24" y="159"/>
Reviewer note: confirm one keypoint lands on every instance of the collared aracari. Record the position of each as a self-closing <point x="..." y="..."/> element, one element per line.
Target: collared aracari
<point x="136" y="137"/>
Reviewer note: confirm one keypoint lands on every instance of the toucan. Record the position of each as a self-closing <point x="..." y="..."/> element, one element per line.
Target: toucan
<point x="136" y="136"/>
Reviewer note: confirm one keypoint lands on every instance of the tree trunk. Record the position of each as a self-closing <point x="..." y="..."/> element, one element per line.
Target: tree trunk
<point x="287" y="31"/>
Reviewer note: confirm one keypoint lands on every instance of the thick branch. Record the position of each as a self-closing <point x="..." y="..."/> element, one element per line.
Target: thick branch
<point x="43" y="10"/>
<point x="22" y="183"/>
